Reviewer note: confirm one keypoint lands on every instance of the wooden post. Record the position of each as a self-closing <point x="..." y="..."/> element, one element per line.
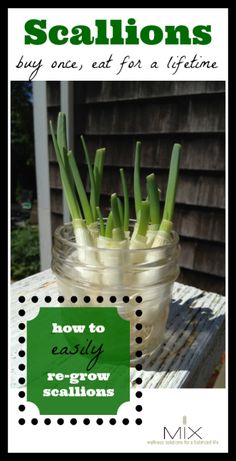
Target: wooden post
<point x="42" y="172"/>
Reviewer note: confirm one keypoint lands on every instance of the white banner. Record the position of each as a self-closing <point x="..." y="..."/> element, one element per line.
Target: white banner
<point x="173" y="421"/>
<point x="118" y="44"/>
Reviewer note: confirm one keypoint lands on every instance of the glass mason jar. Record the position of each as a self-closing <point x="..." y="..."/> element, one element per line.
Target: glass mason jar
<point x="91" y="271"/>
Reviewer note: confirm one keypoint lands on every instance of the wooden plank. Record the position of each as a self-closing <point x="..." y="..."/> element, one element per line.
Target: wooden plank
<point x="196" y="322"/>
<point x="56" y="201"/>
<point x="210" y="360"/>
<point x="204" y="281"/>
<point x="187" y="115"/>
<point x="55" y="180"/>
<point x="198" y="153"/>
<point x="203" y="257"/>
<point x="187" y="254"/>
<point x="53" y="94"/>
<point x="192" y="342"/>
<point x="52" y="115"/>
<point x="51" y="151"/>
<point x="95" y="92"/>
<point x="210" y="258"/>
<point x="201" y="223"/>
<point x="57" y="220"/>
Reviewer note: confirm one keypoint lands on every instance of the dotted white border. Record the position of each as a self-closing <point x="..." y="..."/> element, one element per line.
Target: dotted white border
<point x="22" y="353"/>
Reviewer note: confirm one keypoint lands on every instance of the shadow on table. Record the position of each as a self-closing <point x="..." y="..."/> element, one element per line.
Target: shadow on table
<point x="185" y="324"/>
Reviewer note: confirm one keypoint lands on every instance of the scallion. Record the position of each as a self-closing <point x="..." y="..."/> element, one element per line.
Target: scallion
<point x="80" y="189"/>
<point x="91" y="177"/>
<point x="109" y="225"/>
<point x="144" y="218"/>
<point x="101" y="222"/>
<point x="172" y="184"/>
<point x="62" y="144"/>
<point x="154" y="201"/>
<point x="69" y="193"/>
<point x="126" y="200"/>
<point x="98" y="172"/>
<point x="121" y="211"/>
<point x="116" y="216"/>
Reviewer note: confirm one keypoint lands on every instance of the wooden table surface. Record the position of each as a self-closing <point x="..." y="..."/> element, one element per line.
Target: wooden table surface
<point x="192" y="345"/>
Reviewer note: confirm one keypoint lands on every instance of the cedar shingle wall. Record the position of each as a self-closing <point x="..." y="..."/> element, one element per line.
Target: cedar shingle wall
<point x="116" y="114"/>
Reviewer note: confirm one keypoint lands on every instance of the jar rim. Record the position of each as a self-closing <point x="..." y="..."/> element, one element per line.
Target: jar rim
<point x="62" y="239"/>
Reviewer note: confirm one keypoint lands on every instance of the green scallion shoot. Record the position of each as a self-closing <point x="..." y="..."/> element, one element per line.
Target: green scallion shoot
<point x="144" y="218"/>
<point x="101" y="222"/>
<point x="154" y="200"/>
<point x="116" y="215"/>
<point x="98" y="172"/>
<point x="62" y="144"/>
<point x="67" y="187"/>
<point x="121" y="211"/>
<point x="91" y="177"/>
<point x="80" y="189"/>
<point x="109" y="225"/>
<point x="126" y="199"/>
<point x="171" y="188"/>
